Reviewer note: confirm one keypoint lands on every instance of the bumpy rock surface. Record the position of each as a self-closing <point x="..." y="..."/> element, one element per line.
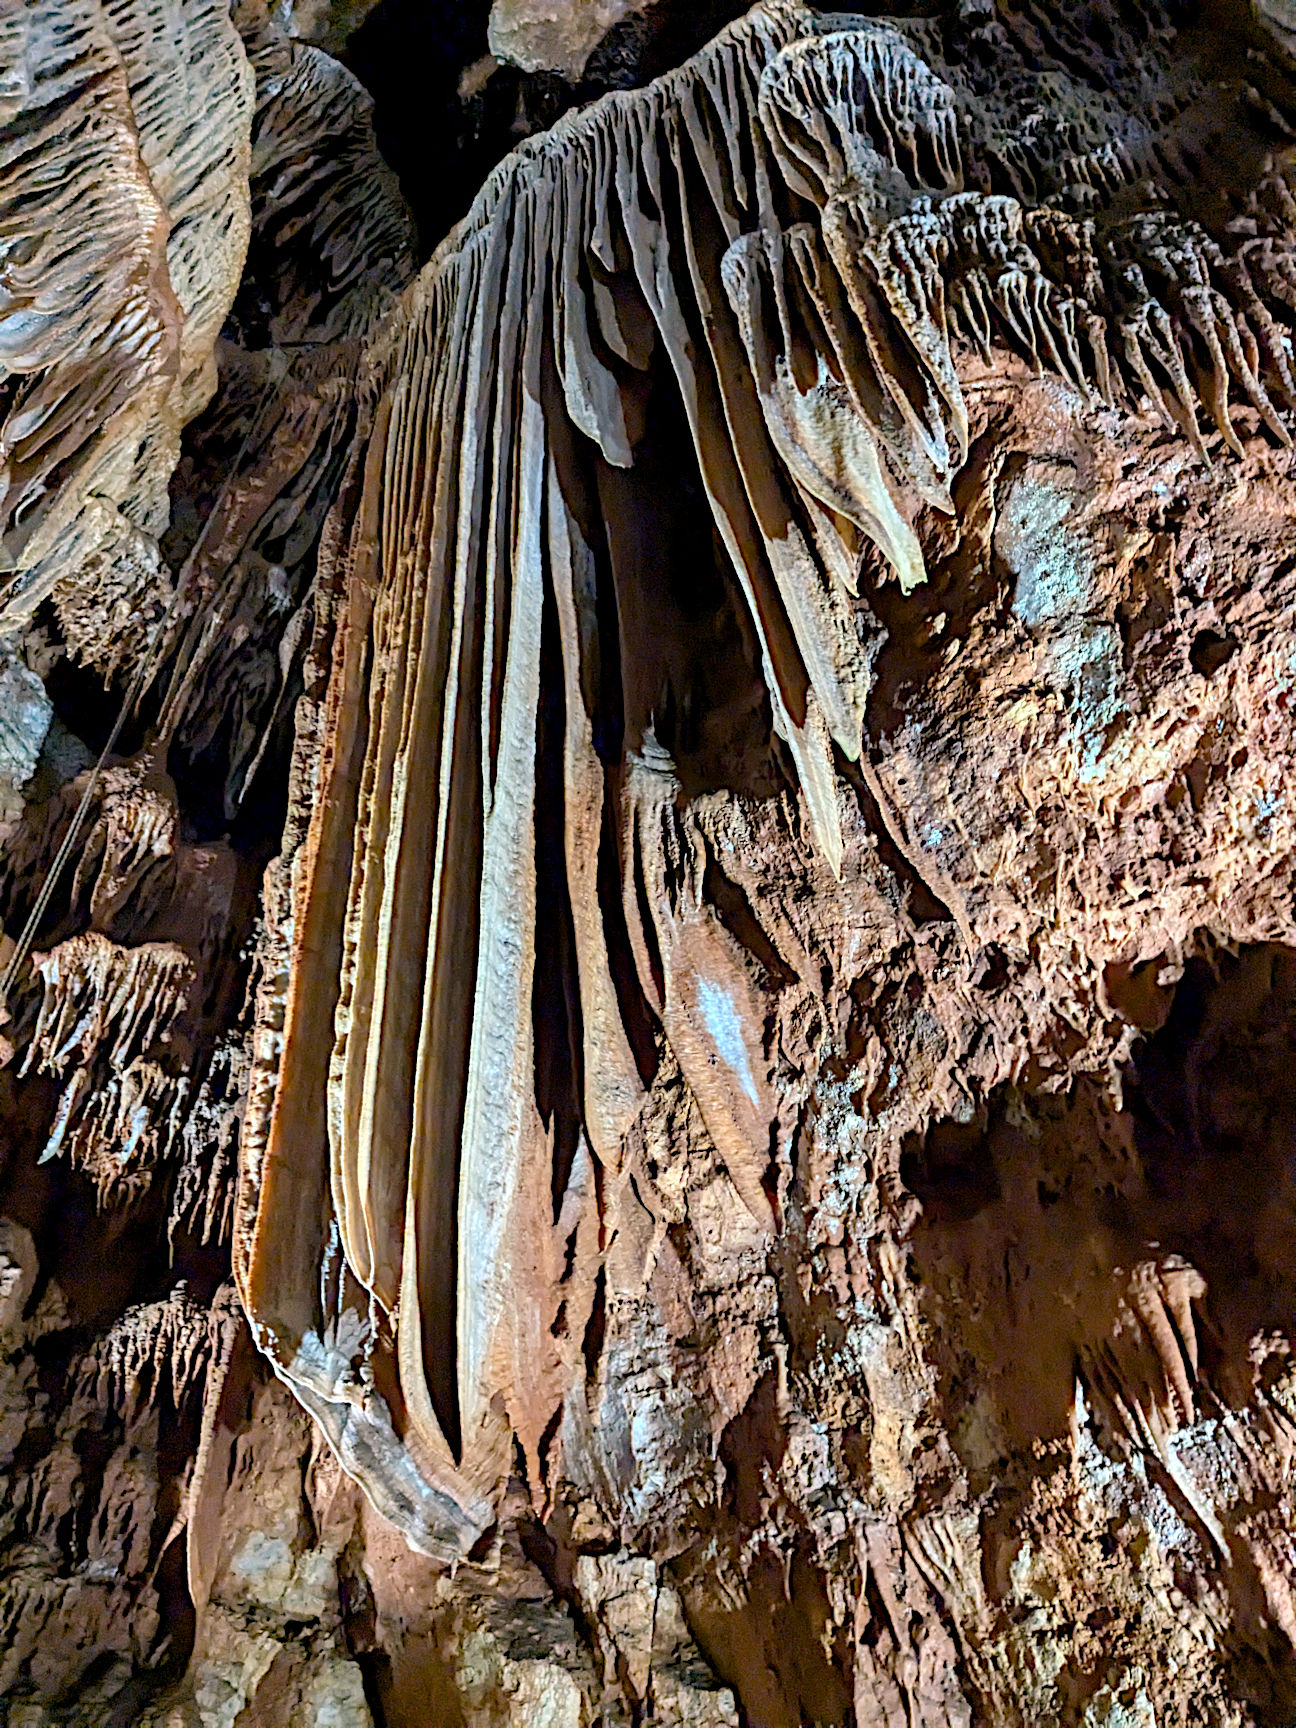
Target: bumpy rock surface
<point x="650" y="941"/>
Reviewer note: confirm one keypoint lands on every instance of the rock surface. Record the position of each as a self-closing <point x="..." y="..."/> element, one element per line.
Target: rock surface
<point x="650" y="938"/>
<point x="553" y="35"/>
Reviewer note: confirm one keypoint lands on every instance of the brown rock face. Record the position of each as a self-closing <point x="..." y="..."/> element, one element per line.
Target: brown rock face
<point x="650" y="952"/>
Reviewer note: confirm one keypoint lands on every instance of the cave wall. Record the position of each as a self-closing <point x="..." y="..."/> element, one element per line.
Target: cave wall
<point x="814" y="841"/>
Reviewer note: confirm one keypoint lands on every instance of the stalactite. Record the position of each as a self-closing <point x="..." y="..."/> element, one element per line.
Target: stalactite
<point x="796" y="239"/>
<point x="126" y="857"/>
<point x="129" y="851"/>
<point x="206" y="1180"/>
<point x="104" y="1011"/>
<point x="102" y="998"/>
<point x="156" y="1350"/>
<point x="125" y="213"/>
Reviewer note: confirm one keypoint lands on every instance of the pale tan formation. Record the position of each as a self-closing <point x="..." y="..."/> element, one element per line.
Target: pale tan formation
<point x="804" y="255"/>
<point x="541" y="35"/>
<point x="152" y="159"/>
<point x="125" y="219"/>
<point x="127" y="984"/>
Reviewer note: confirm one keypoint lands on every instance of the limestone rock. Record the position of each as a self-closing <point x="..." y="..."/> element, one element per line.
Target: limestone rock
<point x="125" y="217"/>
<point x="550" y="36"/>
<point x="815" y="367"/>
<point x="25" y="715"/>
<point x="646" y="1062"/>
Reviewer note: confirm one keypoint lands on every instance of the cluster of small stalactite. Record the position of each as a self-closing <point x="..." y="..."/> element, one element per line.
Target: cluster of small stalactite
<point x="156" y="1350"/>
<point x="104" y="1011"/>
<point x="206" y="1179"/>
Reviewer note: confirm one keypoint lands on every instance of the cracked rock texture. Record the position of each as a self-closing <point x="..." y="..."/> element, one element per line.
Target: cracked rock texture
<point x="648" y="973"/>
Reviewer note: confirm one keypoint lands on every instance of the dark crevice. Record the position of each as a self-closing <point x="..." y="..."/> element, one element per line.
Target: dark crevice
<point x="555" y="994"/>
<point x="84" y="705"/>
<point x="1210" y="651"/>
<point x="735" y="913"/>
<point x="951" y="1170"/>
<point x="647" y="924"/>
<point x="595" y="1327"/>
<point x="410" y="55"/>
<point x="922" y="905"/>
<point x="1215" y="1122"/>
<point x="690" y="669"/>
<point x="635" y="1014"/>
<point x="442" y="132"/>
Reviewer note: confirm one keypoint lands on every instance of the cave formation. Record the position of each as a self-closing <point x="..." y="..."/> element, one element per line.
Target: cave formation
<point x="648" y="960"/>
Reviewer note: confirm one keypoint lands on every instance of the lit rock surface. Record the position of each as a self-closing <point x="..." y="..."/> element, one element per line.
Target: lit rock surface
<point x="1279" y="18"/>
<point x="652" y="1085"/>
<point x="551" y="35"/>
<point x="125" y="221"/>
<point x="25" y="715"/>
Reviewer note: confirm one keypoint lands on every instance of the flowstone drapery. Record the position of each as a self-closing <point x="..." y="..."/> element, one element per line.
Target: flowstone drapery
<point x="498" y="926"/>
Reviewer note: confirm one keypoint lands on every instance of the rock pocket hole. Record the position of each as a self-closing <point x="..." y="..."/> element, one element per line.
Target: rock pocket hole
<point x="1210" y="650"/>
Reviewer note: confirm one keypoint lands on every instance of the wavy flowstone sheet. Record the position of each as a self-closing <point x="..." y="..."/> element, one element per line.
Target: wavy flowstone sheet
<point x="496" y="917"/>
